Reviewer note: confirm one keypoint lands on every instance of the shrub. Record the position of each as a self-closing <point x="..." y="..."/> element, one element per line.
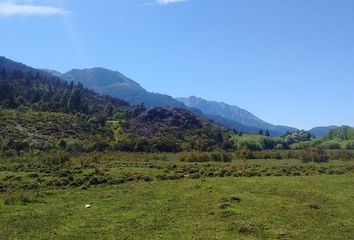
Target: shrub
<point x="300" y="145"/>
<point x="331" y="145"/>
<point x="62" y="144"/>
<point x="60" y="159"/>
<point x="315" y="155"/>
<point x="100" y="146"/>
<point x="341" y="155"/>
<point x="165" y="145"/>
<point x="348" y="145"/>
<point x="279" y="143"/>
<point x="250" y="144"/>
<point x="124" y="145"/>
<point x="76" y="148"/>
<point x="195" y="157"/>
<point x="316" y="142"/>
<point x="267" y="143"/>
<point x="244" y="154"/>
<point x="41" y="145"/>
<point x="279" y="146"/>
<point x="16" y="146"/>
<point x="216" y="156"/>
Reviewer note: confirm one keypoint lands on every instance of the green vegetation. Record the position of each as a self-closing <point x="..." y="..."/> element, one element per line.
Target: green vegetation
<point x="172" y="196"/>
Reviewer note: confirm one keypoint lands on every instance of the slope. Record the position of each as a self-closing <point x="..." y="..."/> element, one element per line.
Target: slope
<point x="233" y="113"/>
<point x="117" y="85"/>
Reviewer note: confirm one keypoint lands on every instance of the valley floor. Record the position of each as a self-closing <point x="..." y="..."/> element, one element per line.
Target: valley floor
<point x="270" y="206"/>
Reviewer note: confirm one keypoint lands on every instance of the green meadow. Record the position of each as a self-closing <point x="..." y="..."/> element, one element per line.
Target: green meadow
<point x="162" y="196"/>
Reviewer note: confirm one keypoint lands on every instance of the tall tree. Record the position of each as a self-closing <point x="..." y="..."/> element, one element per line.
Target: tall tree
<point x="266" y="133"/>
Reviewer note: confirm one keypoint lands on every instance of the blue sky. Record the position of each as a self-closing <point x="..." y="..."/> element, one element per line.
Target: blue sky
<point x="290" y="62"/>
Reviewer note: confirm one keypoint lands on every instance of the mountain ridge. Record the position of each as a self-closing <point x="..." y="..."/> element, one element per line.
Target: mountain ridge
<point x="322" y="131"/>
<point x="233" y="113"/>
<point x="115" y="84"/>
<point x="38" y="106"/>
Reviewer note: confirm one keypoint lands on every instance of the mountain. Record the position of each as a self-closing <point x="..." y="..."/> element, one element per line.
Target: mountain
<point x="321" y="131"/>
<point x="233" y="125"/>
<point x="233" y="113"/>
<point x="115" y="84"/>
<point x="24" y="86"/>
<point x="53" y="72"/>
<point x="38" y="106"/>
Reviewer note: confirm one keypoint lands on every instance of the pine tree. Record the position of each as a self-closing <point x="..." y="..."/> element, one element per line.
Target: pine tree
<point x="3" y="72"/>
<point x="266" y="133"/>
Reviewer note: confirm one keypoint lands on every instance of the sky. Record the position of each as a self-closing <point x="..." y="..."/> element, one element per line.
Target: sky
<point x="290" y="62"/>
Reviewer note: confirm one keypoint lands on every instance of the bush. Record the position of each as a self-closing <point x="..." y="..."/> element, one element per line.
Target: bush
<point x="348" y="145"/>
<point x="41" y="145"/>
<point x="250" y="144"/>
<point x="62" y="144"/>
<point x="220" y="156"/>
<point x="195" y="157"/>
<point x="60" y="159"/>
<point x="244" y="154"/>
<point x="216" y="156"/>
<point x="331" y="145"/>
<point x="165" y="145"/>
<point x="341" y="155"/>
<point x="76" y="148"/>
<point x="100" y="146"/>
<point x="315" y="155"/>
<point x="124" y="146"/>
<point x="17" y="146"/>
<point x="300" y="145"/>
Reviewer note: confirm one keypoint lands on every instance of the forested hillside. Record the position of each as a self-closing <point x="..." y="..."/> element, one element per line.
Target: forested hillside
<point x="40" y="109"/>
<point x="22" y="86"/>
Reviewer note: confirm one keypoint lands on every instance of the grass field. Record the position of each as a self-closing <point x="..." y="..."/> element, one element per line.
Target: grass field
<point x="157" y="196"/>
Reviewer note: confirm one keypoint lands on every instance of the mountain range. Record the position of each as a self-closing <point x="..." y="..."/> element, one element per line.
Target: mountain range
<point x="36" y="106"/>
<point x="115" y="84"/>
<point x="233" y="113"/>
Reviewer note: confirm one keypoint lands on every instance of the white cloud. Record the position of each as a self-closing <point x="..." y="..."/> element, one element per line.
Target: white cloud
<point x="14" y="9"/>
<point x="165" y="2"/>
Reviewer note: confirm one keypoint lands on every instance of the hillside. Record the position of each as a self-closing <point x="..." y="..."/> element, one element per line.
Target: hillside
<point x="50" y="127"/>
<point x="117" y="85"/>
<point x="233" y="125"/>
<point x="321" y="131"/>
<point x="175" y="129"/>
<point x="341" y="133"/>
<point x="233" y="113"/>
<point x="26" y="87"/>
<point x="35" y="105"/>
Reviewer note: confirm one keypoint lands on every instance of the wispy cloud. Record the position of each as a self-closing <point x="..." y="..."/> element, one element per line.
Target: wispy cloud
<point x="166" y="2"/>
<point x="10" y="8"/>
